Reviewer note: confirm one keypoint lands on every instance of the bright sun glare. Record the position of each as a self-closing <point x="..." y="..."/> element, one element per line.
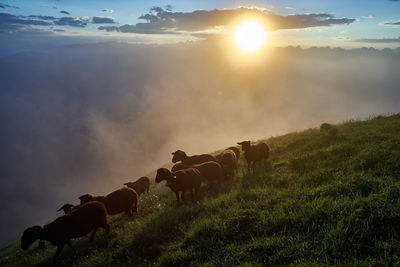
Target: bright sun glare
<point x="250" y="36"/>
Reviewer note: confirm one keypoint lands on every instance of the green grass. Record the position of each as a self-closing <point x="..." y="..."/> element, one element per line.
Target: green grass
<point x="324" y="198"/>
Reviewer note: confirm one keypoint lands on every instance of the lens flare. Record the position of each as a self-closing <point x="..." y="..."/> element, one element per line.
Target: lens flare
<point x="250" y="36"/>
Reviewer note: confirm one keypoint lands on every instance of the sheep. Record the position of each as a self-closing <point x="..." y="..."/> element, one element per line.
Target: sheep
<point x="210" y="171"/>
<point x="67" y="208"/>
<point x="141" y="185"/>
<point x="234" y="149"/>
<point x="254" y="153"/>
<point x="79" y="222"/>
<point x="180" y="181"/>
<point x="179" y="166"/>
<point x="180" y="155"/>
<point x="228" y="162"/>
<point x="124" y="199"/>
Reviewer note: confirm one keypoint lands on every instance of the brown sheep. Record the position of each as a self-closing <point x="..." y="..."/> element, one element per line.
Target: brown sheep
<point x="181" y="181"/>
<point x="67" y="208"/>
<point x="234" y="149"/>
<point x="179" y="166"/>
<point x="180" y="155"/>
<point x="254" y="153"/>
<point x="79" y="222"/>
<point x="124" y="199"/>
<point x="211" y="171"/>
<point x="228" y="162"/>
<point x="141" y="185"/>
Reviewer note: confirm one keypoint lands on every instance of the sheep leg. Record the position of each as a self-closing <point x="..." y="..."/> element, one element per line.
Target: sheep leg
<point x="183" y="195"/>
<point x="177" y="199"/>
<point x="129" y="212"/>
<point x="70" y="245"/>
<point x="106" y="227"/>
<point x="59" y="249"/>
<point x="93" y="233"/>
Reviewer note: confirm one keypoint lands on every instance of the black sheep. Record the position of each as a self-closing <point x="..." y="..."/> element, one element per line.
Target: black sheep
<point x="254" y="153"/>
<point x="228" y="162"/>
<point x="181" y="181"/>
<point x="67" y="208"/>
<point x="210" y="171"/>
<point x="79" y="222"/>
<point x="180" y="155"/>
<point x="124" y="199"/>
<point x="141" y="185"/>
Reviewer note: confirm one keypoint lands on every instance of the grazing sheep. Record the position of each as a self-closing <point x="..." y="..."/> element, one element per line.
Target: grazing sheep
<point x="180" y="155"/>
<point x="228" y="162"/>
<point x="141" y="185"/>
<point x="180" y="181"/>
<point x="124" y="199"/>
<point x="67" y="208"/>
<point x="211" y="171"/>
<point x="179" y="166"/>
<point x="325" y="127"/>
<point x="79" y="222"/>
<point x="254" y="153"/>
<point x="236" y="150"/>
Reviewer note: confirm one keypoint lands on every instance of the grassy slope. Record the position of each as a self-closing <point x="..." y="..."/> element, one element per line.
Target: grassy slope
<point x="322" y="199"/>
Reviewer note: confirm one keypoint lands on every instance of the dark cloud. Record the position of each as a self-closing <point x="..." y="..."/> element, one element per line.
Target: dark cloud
<point x="42" y="17"/>
<point x="103" y="20"/>
<point x="11" y="23"/>
<point x="3" y="5"/>
<point x="64" y="12"/>
<point x="160" y="20"/>
<point x="393" y="23"/>
<point x="109" y="28"/>
<point x="71" y="21"/>
<point x="107" y="11"/>
<point x="379" y="40"/>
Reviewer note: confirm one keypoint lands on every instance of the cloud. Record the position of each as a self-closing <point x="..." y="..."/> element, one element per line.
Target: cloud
<point x="107" y="11"/>
<point x="397" y="23"/>
<point x="379" y="40"/>
<point x="72" y="21"/>
<point x="103" y="20"/>
<point x="42" y="17"/>
<point x="159" y="20"/>
<point x="2" y="5"/>
<point x="64" y="12"/>
<point x="11" y="23"/>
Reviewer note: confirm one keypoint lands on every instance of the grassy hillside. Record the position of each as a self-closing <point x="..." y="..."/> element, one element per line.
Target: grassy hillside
<point x="323" y="198"/>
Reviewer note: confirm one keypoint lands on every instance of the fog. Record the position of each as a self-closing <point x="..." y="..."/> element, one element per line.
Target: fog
<point x="87" y="118"/>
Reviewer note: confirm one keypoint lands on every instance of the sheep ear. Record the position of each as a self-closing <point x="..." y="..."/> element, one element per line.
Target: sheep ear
<point x="239" y="143"/>
<point x="61" y="208"/>
<point x="126" y="183"/>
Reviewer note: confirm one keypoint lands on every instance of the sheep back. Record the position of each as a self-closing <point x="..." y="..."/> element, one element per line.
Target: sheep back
<point x="228" y="161"/>
<point x="185" y="179"/>
<point x="210" y="171"/>
<point x="120" y="200"/>
<point x="141" y="185"/>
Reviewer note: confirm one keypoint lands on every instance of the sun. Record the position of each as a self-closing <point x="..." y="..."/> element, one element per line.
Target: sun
<point x="250" y="36"/>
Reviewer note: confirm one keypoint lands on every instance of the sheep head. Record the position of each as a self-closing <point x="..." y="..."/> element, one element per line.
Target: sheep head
<point x="85" y="198"/>
<point x="163" y="174"/>
<point x="178" y="155"/>
<point x="30" y="235"/>
<point x="245" y="145"/>
<point x="67" y="208"/>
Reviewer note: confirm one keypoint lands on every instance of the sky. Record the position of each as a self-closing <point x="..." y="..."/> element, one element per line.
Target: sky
<point x="27" y="24"/>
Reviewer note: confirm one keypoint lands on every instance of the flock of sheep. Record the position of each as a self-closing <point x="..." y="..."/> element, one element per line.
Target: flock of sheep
<point x="187" y="175"/>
